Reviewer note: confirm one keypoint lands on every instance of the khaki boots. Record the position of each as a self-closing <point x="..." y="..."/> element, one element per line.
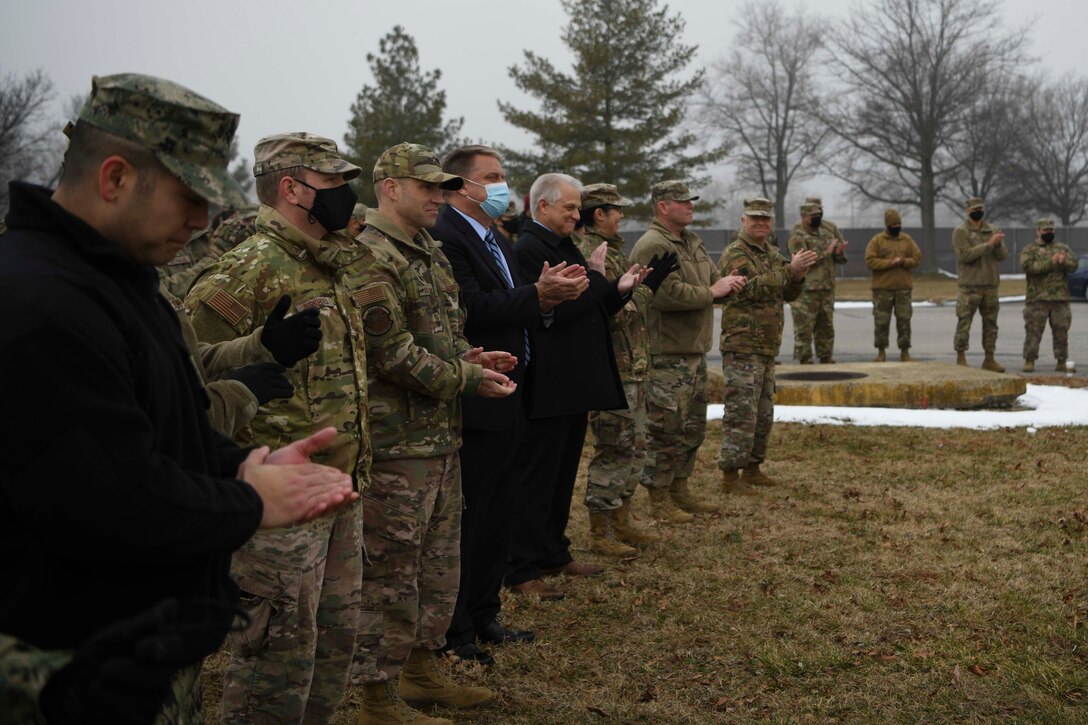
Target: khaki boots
<point x="383" y="706"/>
<point x="602" y="535"/>
<point x="423" y="681"/>
<point x="683" y="498"/>
<point x="992" y="365"/>
<point x="904" y="356"/>
<point x="665" y="510"/>
<point x="731" y="484"/>
<point x="627" y="531"/>
<point x="754" y="477"/>
<point x="1029" y="366"/>
<point x="961" y="358"/>
<point x="880" y="357"/>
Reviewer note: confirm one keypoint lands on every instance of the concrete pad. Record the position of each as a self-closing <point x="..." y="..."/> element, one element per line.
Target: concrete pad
<point x="896" y="385"/>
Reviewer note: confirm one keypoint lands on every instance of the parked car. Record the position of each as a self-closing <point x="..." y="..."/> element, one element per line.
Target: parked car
<point x="1078" y="281"/>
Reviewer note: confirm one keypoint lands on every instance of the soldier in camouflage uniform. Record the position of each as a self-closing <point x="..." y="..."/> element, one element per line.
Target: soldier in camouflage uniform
<point x="891" y="255"/>
<point x="619" y="450"/>
<point x="979" y="246"/>
<point x="680" y="322"/>
<point x="752" y="322"/>
<point x="814" y="311"/>
<point x="418" y="365"/>
<point x="229" y="227"/>
<point x="301" y="585"/>
<point x="1046" y="264"/>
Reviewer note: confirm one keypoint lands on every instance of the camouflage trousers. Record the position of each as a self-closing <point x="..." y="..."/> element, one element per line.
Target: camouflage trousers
<point x="675" y="417"/>
<point x="1036" y="315"/>
<point x="749" y="409"/>
<point x="300" y="587"/>
<point x="413" y="544"/>
<point x="619" y="451"/>
<point x="983" y="299"/>
<point x="813" y="316"/>
<point x="884" y="302"/>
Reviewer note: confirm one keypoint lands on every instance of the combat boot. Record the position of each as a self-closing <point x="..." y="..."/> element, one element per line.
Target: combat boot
<point x="904" y="355"/>
<point x="805" y="361"/>
<point x="731" y="483"/>
<point x="755" y="477"/>
<point x="683" y="498"/>
<point x="626" y="530"/>
<point x="879" y="355"/>
<point x="992" y="365"/>
<point x="827" y="360"/>
<point x="422" y="681"/>
<point x="1029" y="366"/>
<point x="961" y="358"/>
<point x="1060" y="367"/>
<point x="383" y="706"/>
<point x="602" y="537"/>
<point x="664" y="509"/>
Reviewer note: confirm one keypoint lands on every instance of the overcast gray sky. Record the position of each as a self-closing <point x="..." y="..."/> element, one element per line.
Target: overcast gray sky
<point x="291" y="66"/>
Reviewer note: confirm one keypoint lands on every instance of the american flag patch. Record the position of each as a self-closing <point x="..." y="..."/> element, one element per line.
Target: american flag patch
<point x="364" y="296"/>
<point x="226" y="307"/>
<point x="317" y="302"/>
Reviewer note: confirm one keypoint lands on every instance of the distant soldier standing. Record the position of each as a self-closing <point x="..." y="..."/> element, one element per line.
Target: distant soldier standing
<point x="891" y="255"/>
<point x="1046" y="264"/>
<point x="979" y="247"/>
<point x="619" y="435"/>
<point x="751" y="334"/>
<point x="681" y="321"/>
<point x="814" y="311"/>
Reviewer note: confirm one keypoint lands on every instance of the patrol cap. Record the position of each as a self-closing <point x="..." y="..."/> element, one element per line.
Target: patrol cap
<point x="757" y="206"/>
<point x="1045" y="223"/>
<point x="812" y="205"/>
<point x="601" y="194"/>
<point x="359" y="211"/>
<point x="671" y="190"/>
<point x="891" y="216"/>
<point x="975" y="202"/>
<point x="288" y="150"/>
<point x="413" y="161"/>
<point x="188" y="134"/>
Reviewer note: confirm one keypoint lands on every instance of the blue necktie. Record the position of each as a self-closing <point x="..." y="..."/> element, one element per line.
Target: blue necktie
<point x="493" y="247"/>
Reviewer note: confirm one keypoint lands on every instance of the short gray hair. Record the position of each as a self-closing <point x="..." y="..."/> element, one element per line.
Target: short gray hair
<point x="547" y="187"/>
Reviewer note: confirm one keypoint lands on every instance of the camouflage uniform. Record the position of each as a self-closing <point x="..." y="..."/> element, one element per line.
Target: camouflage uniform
<point x="412" y="321"/>
<point x="680" y="322"/>
<point x="978" y="280"/>
<point x="231" y="227"/>
<point x="752" y="321"/>
<point x="1047" y="294"/>
<point x="619" y="435"/>
<point x="300" y="585"/>
<point x="814" y="311"/>
<point x="892" y="285"/>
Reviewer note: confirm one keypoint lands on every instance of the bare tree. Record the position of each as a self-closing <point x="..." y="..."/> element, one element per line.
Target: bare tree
<point x="910" y="71"/>
<point x="1052" y="164"/>
<point x="23" y="133"/>
<point x="763" y="99"/>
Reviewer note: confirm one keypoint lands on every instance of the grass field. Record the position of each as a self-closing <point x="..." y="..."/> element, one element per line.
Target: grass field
<point x="898" y="575"/>
<point x="930" y="287"/>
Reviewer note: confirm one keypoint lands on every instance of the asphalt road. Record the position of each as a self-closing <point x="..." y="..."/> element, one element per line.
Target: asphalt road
<point x="932" y="329"/>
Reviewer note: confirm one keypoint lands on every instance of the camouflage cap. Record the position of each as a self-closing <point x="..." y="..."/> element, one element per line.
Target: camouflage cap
<point x="288" y="150"/>
<point x="186" y="132"/>
<point x="975" y="202"/>
<point x="359" y="211"/>
<point x="892" y="217"/>
<point x="671" y="190"/>
<point x="601" y="194"/>
<point x="757" y="206"/>
<point x="812" y="205"/>
<point x="1045" y="223"/>
<point x="413" y="161"/>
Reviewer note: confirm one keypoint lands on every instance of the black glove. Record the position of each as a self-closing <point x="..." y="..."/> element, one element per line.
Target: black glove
<point x="663" y="266"/>
<point x="289" y="340"/>
<point x="265" y="380"/>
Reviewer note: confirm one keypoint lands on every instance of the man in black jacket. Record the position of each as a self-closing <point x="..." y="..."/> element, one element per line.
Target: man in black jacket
<point x="500" y="308"/>
<point x="572" y="371"/>
<point x="120" y="503"/>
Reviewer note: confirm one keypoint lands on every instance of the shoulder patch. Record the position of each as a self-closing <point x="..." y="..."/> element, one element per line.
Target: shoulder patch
<point x="224" y="305"/>
<point x="377" y="320"/>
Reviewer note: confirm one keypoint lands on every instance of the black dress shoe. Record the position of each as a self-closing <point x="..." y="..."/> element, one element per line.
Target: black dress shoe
<point x="495" y="633"/>
<point x="470" y="652"/>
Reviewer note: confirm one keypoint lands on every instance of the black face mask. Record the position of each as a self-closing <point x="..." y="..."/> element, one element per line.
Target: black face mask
<point x="816" y="219"/>
<point x="894" y="231"/>
<point x="976" y="215"/>
<point x="1047" y="237"/>
<point x="332" y="207"/>
<point x="511" y="225"/>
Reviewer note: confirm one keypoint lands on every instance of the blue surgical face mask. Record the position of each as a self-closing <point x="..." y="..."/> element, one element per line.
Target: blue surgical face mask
<point x="498" y="198"/>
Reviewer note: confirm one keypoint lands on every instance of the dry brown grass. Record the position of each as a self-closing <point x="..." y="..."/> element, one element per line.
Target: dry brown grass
<point x="930" y="287"/>
<point x="897" y="575"/>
